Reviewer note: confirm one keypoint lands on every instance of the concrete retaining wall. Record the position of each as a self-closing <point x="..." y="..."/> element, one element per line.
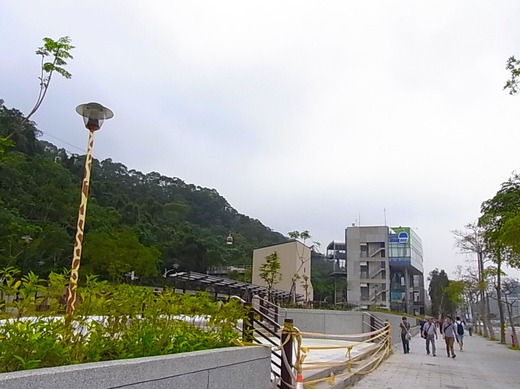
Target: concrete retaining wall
<point x="324" y="321"/>
<point x="341" y="322"/>
<point x="228" y="368"/>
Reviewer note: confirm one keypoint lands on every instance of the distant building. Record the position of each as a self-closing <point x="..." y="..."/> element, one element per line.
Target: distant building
<point x="384" y="267"/>
<point x="295" y="261"/>
<point x="513" y="298"/>
<point x="337" y="254"/>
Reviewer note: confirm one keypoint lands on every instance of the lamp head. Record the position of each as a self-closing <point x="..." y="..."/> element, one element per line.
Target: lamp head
<point x="94" y="115"/>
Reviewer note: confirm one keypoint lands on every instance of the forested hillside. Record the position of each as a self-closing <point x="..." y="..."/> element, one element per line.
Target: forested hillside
<point x="135" y="222"/>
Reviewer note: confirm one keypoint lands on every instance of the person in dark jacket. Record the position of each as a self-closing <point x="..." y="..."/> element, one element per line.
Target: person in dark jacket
<point x="405" y="330"/>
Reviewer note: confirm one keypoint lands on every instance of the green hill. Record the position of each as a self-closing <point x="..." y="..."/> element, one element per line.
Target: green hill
<point x="135" y="222"/>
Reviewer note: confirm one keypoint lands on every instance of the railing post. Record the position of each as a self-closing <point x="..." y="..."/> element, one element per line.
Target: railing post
<point x="287" y="354"/>
<point x="389" y="342"/>
<point x="248" y="324"/>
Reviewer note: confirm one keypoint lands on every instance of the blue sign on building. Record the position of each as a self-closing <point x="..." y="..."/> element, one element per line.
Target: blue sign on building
<point x="402" y="237"/>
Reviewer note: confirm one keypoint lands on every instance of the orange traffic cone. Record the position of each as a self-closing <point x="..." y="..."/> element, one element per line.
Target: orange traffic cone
<point x="299" y="381"/>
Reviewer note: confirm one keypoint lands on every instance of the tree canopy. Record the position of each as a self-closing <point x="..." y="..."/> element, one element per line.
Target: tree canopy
<point x="445" y="294"/>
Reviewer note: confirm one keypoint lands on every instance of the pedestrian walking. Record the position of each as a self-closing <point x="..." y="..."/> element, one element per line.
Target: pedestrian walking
<point x="422" y="322"/>
<point x="459" y="325"/>
<point x="469" y="326"/>
<point x="405" y="334"/>
<point x="448" y="330"/>
<point x="430" y="334"/>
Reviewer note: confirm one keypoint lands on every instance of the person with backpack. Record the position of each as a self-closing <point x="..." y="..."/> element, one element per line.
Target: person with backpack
<point x="459" y="324"/>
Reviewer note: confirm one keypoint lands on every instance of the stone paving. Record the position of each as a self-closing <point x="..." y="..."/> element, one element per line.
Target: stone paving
<point x="483" y="364"/>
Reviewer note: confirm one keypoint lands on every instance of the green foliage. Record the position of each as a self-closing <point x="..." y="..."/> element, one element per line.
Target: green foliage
<point x="113" y="253"/>
<point x="270" y="271"/>
<point x="322" y="281"/>
<point x="59" y="51"/>
<point x="304" y="235"/>
<point x="110" y="322"/>
<point x="513" y="66"/>
<point x="445" y="295"/>
<point x="455" y="292"/>
<point x="501" y="221"/>
<point x="54" y="54"/>
<point x="150" y="221"/>
<point x="4" y="145"/>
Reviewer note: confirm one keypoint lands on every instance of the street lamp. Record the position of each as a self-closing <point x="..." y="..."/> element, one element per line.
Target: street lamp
<point x="94" y="115"/>
<point x="27" y="239"/>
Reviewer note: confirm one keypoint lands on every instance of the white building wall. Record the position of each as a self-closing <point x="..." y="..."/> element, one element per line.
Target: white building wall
<point x="295" y="258"/>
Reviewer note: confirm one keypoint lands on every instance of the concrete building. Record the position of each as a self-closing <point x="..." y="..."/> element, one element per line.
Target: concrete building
<point x="384" y="268"/>
<point x="295" y="261"/>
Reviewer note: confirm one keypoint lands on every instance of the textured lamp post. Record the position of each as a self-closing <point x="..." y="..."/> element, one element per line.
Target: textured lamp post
<point x="27" y="239"/>
<point x="94" y="115"/>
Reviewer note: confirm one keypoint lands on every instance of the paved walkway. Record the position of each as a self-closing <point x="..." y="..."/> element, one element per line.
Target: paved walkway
<point x="482" y="364"/>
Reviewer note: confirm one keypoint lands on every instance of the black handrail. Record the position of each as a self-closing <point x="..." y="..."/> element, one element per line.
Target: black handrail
<point x="259" y="325"/>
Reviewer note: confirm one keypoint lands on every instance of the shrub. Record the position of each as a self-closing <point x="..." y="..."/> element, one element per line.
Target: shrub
<point x="109" y="322"/>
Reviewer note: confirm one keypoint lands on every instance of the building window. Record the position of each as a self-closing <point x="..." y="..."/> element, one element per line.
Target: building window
<point x="383" y="254"/>
<point x="364" y="293"/>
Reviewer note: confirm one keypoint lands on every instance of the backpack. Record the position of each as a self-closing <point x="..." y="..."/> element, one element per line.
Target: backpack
<point x="460" y="329"/>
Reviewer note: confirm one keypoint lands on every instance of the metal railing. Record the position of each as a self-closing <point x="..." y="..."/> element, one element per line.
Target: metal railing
<point x="373" y="322"/>
<point x="261" y="327"/>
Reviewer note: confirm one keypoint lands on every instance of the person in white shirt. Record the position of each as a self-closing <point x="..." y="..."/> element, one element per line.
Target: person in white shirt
<point x="448" y="330"/>
<point x="429" y="333"/>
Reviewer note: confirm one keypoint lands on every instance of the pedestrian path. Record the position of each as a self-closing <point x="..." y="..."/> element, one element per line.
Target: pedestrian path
<point x="483" y="364"/>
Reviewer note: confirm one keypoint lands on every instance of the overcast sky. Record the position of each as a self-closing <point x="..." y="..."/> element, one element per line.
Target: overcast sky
<point x="304" y="115"/>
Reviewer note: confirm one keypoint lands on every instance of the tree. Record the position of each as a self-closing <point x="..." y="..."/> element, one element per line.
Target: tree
<point x="473" y="291"/>
<point x="499" y="217"/>
<point x="454" y="293"/>
<point x="113" y="253"/>
<point x="472" y="241"/>
<point x="445" y="295"/>
<point x="438" y="281"/>
<point x="513" y="65"/>
<point x="502" y="215"/>
<point x="270" y="272"/>
<point x="39" y="186"/>
<point x="509" y="287"/>
<point x="322" y="284"/>
<point x="53" y="54"/>
<point x="302" y="236"/>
